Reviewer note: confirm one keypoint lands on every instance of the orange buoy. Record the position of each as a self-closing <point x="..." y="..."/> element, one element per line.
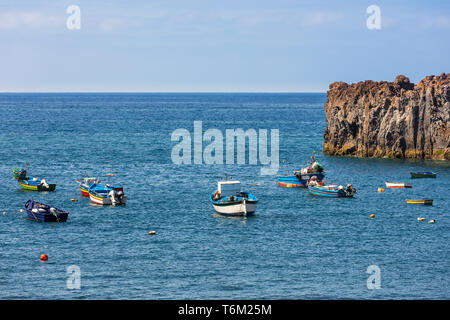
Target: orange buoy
<point x="380" y="190"/>
<point x="44" y="257"/>
<point x="74" y="200"/>
<point x="4" y="213"/>
<point x="152" y="233"/>
<point x="110" y="174"/>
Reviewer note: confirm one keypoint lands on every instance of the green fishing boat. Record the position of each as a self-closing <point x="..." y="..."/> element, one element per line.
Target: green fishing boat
<point x="416" y="175"/>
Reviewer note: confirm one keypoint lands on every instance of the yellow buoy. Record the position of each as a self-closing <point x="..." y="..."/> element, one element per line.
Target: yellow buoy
<point x="432" y="221"/>
<point x="372" y="216"/>
<point x="152" y="233"/>
<point x="380" y="190"/>
<point x="421" y="219"/>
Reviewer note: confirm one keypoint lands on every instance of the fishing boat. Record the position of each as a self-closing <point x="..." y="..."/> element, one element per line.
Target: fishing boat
<point x="44" y="213"/>
<point x="300" y="178"/>
<point x="397" y="185"/>
<point x="229" y="199"/>
<point x="425" y="202"/>
<point x="35" y="184"/>
<point x="416" y="175"/>
<point x="332" y="191"/>
<point x="20" y="174"/>
<point x="107" y="195"/>
<point x="85" y="183"/>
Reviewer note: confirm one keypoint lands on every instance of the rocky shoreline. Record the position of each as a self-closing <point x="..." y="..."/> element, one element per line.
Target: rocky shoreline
<point x="389" y="119"/>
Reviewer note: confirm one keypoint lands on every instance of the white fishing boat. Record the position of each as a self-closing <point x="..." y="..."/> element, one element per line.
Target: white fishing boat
<point x="397" y="185"/>
<point x="229" y="199"/>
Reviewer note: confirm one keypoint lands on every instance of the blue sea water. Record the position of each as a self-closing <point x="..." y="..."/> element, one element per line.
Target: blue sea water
<point x="296" y="246"/>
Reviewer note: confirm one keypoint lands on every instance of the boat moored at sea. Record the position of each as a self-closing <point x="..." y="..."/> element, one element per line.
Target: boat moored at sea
<point x="300" y="178"/>
<point x="107" y="195"/>
<point x="229" y="199"/>
<point x="85" y="183"/>
<point x="35" y="184"/>
<point x="394" y="185"/>
<point x="44" y="213"/>
<point x="424" y="202"/>
<point x="416" y="175"/>
<point x="332" y="191"/>
<point x="20" y="174"/>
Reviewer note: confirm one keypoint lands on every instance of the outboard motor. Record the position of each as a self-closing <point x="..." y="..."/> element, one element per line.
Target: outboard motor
<point x="44" y="183"/>
<point x="350" y="190"/>
<point x="112" y="195"/>
<point x="120" y="197"/>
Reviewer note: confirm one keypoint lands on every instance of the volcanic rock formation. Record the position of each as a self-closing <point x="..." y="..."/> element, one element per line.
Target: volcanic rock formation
<point x="389" y="119"/>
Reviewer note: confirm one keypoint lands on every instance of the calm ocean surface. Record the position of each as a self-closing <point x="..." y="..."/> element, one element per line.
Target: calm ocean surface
<point x="295" y="247"/>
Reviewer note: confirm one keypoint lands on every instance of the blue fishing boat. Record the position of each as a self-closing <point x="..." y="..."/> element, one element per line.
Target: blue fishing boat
<point x="35" y="184"/>
<point x="44" y="213"/>
<point x="332" y="191"/>
<point x="300" y="178"/>
<point x="106" y="194"/>
<point x="228" y="199"/>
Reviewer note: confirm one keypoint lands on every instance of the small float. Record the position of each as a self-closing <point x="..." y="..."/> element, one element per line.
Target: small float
<point x="228" y="199"/>
<point x="300" y="178"/>
<point x="44" y="213"/>
<point x="424" y="202"/>
<point x="85" y="183"/>
<point x="107" y="195"/>
<point x="416" y="175"/>
<point x="332" y="191"/>
<point x="394" y="185"/>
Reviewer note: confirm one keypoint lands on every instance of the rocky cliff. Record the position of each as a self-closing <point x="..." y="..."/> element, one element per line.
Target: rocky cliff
<point x="389" y="119"/>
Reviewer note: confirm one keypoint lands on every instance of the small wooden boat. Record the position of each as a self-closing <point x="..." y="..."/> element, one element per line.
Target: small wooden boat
<point x="397" y="185"/>
<point x="34" y="184"/>
<point x="332" y="191"/>
<point x="230" y="200"/>
<point x="107" y="195"/>
<point x="20" y="174"/>
<point x="425" y="202"/>
<point x="44" y="213"/>
<point x="298" y="180"/>
<point x="416" y="175"/>
<point x="85" y="184"/>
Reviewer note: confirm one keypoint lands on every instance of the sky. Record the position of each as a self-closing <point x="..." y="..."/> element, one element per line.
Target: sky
<point x="217" y="46"/>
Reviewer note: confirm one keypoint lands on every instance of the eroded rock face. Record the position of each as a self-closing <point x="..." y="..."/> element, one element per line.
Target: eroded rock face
<point x="389" y="119"/>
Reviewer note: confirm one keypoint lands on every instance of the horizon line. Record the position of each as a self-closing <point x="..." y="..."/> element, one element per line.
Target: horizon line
<point x="6" y="92"/>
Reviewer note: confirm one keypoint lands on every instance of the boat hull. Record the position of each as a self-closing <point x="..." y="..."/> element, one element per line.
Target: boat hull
<point x="84" y="190"/>
<point x="397" y="185"/>
<point x="300" y="181"/>
<point x="104" y="201"/>
<point x="236" y="208"/>
<point x="26" y="185"/>
<point x="425" y="202"/>
<point x="330" y="193"/>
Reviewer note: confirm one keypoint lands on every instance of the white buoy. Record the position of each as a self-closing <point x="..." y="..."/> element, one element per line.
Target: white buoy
<point x="420" y="219"/>
<point x="432" y="221"/>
